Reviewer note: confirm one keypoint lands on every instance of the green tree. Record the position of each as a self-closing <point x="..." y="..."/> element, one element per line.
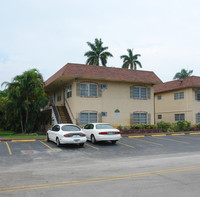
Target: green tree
<point x="131" y="60"/>
<point x="97" y="53"/>
<point x="26" y="96"/>
<point x="183" y="74"/>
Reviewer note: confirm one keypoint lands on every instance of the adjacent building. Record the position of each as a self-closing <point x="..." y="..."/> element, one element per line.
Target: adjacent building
<point x="85" y="93"/>
<point x="178" y="100"/>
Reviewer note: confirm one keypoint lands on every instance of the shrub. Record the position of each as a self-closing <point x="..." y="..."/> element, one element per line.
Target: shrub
<point x="119" y="127"/>
<point x="165" y="126"/>
<point x="183" y="125"/>
<point x="196" y="126"/>
<point x="173" y="127"/>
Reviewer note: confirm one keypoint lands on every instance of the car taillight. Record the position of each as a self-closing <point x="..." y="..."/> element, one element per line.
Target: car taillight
<point x="68" y="135"/>
<point x="103" y="133"/>
<point x="82" y="134"/>
<point x="117" y="132"/>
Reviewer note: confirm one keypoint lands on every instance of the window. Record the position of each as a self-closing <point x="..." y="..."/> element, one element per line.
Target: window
<point x="89" y="90"/>
<point x="89" y="126"/>
<point x="51" y="99"/>
<point x="198" y="118"/>
<point x="69" y="91"/>
<point x="104" y="126"/>
<point x="139" y="92"/>
<point x="59" y="96"/>
<point x="198" y="95"/>
<point x="179" y="117"/>
<point x="159" y="97"/>
<point x="70" y="128"/>
<point x="56" y="128"/>
<point x="178" y="95"/>
<point x="86" y="118"/>
<point x="139" y="118"/>
<point x="159" y="117"/>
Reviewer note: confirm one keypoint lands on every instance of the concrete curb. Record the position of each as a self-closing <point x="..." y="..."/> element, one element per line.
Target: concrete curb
<point x="21" y="139"/>
<point x="160" y="134"/>
<point x="135" y="135"/>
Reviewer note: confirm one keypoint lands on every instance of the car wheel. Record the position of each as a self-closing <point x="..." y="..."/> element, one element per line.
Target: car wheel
<point x="48" y="140"/>
<point x="93" y="140"/>
<point x="57" y="142"/>
<point x="114" y="142"/>
<point x="81" y="145"/>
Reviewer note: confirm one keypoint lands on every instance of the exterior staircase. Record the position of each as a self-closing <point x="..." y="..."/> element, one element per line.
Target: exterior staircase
<point x="64" y="115"/>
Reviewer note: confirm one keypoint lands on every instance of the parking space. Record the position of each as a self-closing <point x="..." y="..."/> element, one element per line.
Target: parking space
<point x="126" y="146"/>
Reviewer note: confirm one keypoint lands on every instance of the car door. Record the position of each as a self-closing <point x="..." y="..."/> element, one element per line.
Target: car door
<point x="86" y="130"/>
<point x="54" y="132"/>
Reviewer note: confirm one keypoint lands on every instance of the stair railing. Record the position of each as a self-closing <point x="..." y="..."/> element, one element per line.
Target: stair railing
<point x="59" y="120"/>
<point x="69" y="109"/>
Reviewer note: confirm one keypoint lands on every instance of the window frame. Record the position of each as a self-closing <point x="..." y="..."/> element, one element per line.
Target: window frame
<point x="138" y="94"/>
<point x="159" y="116"/>
<point x="159" y="97"/>
<point x="198" y="118"/>
<point x="178" y="95"/>
<point x="140" y="121"/>
<point x="59" y="97"/>
<point x="89" y="119"/>
<point x="198" y="95"/>
<point x="87" y="92"/>
<point x="69" y="91"/>
<point x="177" y="117"/>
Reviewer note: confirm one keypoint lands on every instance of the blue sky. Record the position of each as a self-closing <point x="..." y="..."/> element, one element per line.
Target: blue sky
<point x="48" y="34"/>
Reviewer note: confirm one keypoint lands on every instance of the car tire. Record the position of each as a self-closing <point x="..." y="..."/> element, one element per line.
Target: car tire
<point x="93" y="140"/>
<point x="57" y="142"/>
<point x="114" y="141"/>
<point x="48" y="140"/>
<point x="81" y="145"/>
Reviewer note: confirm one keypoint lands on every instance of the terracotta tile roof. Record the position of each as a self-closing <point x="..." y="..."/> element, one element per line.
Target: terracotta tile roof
<point x="188" y="82"/>
<point x="104" y="73"/>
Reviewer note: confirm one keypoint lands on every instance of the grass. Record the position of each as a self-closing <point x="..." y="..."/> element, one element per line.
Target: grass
<point x="12" y="134"/>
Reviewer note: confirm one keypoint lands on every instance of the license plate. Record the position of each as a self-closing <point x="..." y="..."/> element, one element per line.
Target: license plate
<point x="76" y="135"/>
<point x="76" y="140"/>
<point x="111" y="133"/>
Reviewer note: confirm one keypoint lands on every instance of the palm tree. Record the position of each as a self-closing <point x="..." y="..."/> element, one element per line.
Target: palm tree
<point x="26" y="96"/>
<point x="131" y="60"/>
<point x="98" y="53"/>
<point x="183" y="74"/>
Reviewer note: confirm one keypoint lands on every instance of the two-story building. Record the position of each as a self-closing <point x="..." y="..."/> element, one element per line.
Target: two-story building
<point x="178" y="100"/>
<point x="85" y="93"/>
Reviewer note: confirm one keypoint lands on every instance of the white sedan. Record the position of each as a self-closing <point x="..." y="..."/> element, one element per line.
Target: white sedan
<point x="101" y="132"/>
<point x="66" y="134"/>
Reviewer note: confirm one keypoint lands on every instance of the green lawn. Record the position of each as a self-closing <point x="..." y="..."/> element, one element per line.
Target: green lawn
<point x="12" y="134"/>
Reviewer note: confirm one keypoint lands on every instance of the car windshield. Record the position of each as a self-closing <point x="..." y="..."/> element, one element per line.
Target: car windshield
<point x="104" y="126"/>
<point x="70" y="128"/>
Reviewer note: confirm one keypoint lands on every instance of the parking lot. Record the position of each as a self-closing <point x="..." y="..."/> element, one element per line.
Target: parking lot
<point x="135" y="166"/>
<point x="127" y="146"/>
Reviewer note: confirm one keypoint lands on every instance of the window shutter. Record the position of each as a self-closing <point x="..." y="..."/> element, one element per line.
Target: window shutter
<point x="195" y="94"/>
<point x="197" y="118"/>
<point x="149" y="93"/>
<point x="149" y="118"/>
<point x="131" y="119"/>
<point x="100" y="117"/>
<point x="99" y="90"/>
<point x="77" y="89"/>
<point x="131" y="92"/>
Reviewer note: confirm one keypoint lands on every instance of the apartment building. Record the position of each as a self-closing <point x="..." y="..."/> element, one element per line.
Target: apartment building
<point x="178" y="100"/>
<point x="81" y="94"/>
